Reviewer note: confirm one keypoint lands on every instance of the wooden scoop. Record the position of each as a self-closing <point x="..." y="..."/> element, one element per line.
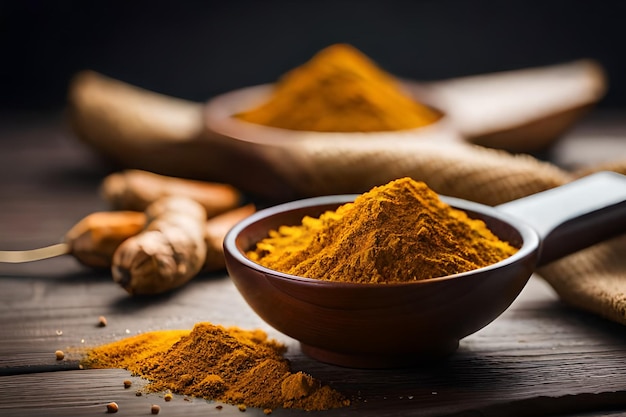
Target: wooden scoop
<point x="519" y="111"/>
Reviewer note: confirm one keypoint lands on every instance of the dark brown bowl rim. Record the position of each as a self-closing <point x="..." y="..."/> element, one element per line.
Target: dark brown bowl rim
<point x="530" y="239"/>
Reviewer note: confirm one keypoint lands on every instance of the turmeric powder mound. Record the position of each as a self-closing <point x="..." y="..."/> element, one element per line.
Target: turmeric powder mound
<point x="340" y="90"/>
<point x="399" y="232"/>
<point x="231" y="365"/>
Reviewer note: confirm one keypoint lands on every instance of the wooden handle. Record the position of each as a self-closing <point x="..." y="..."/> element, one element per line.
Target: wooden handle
<point x="575" y="215"/>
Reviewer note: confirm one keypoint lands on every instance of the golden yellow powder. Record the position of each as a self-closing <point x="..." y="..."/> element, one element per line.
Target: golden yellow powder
<point x="340" y="90"/>
<point x="399" y="232"/>
<point x="240" y="367"/>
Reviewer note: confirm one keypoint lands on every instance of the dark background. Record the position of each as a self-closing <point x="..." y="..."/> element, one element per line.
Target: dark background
<point x="196" y="50"/>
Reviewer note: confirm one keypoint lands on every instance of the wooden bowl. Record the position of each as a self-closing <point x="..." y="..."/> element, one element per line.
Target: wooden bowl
<point x="377" y="325"/>
<point x="286" y="164"/>
<point x="383" y="325"/>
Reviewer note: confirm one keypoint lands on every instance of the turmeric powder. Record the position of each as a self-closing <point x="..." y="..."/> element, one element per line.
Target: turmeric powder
<point x="340" y="90"/>
<point x="399" y="232"/>
<point x="232" y="365"/>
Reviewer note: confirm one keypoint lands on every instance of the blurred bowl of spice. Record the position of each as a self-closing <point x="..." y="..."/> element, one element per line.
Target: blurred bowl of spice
<point x="399" y="275"/>
<point x="340" y="100"/>
<point x="340" y="124"/>
<point x="337" y="124"/>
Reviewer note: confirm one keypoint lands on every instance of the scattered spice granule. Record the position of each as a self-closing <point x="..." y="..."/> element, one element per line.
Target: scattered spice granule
<point x="138" y="393"/>
<point x="267" y="411"/>
<point x="127" y="383"/>
<point x="102" y="321"/>
<point x="155" y="409"/>
<point x="112" y="407"/>
<point x="227" y="365"/>
<point x="219" y="407"/>
<point x="59" y="355"/>
<point x="241" y="407"/>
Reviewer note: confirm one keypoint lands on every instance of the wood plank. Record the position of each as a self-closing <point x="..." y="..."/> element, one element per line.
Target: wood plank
<point x="538" y="351"/>
<point x="69" y="394"/>
<point x="87" y="392"/>
<point x="539" y="358"/>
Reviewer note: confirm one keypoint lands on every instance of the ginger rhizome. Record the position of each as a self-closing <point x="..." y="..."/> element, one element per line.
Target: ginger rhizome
<point x="168" y="253"/>
<point x="135" y="190"/>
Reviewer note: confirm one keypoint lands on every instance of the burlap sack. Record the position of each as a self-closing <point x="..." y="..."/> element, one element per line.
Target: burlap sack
<point x="142" y="130"/>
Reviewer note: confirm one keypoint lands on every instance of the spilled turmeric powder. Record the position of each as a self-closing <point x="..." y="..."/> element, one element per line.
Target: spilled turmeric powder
<point x="232" y="365"/>
<point x="398" y="232"/>
<point x="340" y="90"/>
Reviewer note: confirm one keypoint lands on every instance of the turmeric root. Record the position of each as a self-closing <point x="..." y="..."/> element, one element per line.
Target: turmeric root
<point x="136" y="190"/>
<point x="216" y="230"/>
<point x="167" y="253"/>
<point x="94" y="239"/>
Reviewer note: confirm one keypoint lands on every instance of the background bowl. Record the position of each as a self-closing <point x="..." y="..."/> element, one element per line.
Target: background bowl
<point x="377" y="325"/>
<point x="290" y="164"/>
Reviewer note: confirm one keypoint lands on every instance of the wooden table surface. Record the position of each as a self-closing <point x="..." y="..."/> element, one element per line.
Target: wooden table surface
<point x="539" y="358"/>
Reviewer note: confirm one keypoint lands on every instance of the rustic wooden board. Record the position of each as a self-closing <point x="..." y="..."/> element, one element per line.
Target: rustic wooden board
<point x="539" y="358"/>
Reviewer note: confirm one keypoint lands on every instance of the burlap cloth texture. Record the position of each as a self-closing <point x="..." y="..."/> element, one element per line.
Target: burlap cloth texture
<point x="593" y="279"/>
